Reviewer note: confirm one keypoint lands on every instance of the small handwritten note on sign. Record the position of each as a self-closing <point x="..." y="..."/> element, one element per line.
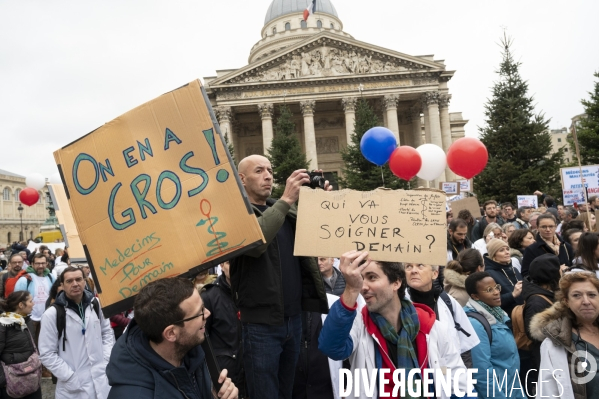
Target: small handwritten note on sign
<point x="154" y="194"/>
<point x="392" y="225"/>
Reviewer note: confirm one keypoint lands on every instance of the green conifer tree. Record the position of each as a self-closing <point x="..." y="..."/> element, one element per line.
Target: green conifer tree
<point x="519" y="145"/>
<point x="359" y="173"/>
<point x="285" y="153"/>
<point x="588" y="130"/>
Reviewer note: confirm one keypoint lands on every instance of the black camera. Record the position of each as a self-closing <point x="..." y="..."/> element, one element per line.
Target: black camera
<point x="316" y="180"/>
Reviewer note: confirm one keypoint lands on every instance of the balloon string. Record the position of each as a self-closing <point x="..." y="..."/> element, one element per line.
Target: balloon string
<point x="382" y="177"/>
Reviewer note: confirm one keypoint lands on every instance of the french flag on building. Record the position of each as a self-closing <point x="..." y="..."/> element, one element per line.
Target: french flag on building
<point x="310" y="10"/>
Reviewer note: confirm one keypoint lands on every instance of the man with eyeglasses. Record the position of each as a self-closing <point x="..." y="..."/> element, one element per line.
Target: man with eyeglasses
<point x="14" y="271"/>
<point x="159" y="356"/>
<point x="547" y="242"/>
<point x="76" y="340"/>
<point x="38" y="282"/>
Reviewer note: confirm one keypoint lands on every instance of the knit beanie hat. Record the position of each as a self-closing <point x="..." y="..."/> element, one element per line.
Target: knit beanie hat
<point x="544" y="269"/>
<point x="495" y="245"/>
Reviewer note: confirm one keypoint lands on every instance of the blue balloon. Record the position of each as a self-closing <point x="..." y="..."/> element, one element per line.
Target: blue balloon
<point x="377" y="144"/>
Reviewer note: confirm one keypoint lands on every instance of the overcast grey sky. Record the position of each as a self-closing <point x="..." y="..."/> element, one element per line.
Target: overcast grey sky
<point x="67" y="67"/>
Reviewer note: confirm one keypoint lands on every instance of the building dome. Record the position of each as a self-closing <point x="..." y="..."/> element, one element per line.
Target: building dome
<point x="283" y="7"/>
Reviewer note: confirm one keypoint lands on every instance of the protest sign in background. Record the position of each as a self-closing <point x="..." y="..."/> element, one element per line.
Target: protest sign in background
<point x="575" y="196"/>
<point x="154" y="194"/>
<point x="528" y="200"/>
<point x="571" y="178"/>
<point x="67" y="223"/>
<point x="52" y="246"/>
<point x="470" y="203"/>
<point x="449" y="187"/>
<point x="392" y="225"/>
<point x="465" y="185"/>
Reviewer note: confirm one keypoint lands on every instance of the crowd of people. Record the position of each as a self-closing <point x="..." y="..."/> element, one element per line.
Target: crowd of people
<point x="517" y="300"/>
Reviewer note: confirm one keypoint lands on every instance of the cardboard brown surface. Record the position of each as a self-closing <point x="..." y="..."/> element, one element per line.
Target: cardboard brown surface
<point x="67" y="223"/>
<point x="392" y="225"/>
<point x="470" y="203"/>
<point x="154" y="194"/>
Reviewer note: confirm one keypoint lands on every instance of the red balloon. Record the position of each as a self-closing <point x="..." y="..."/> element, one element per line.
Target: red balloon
<point x="405" y="162"/>
<point x="29" y="196"/>
<point x="467" y="157"/>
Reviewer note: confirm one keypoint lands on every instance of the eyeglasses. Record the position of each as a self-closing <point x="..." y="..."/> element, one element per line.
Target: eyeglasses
<point x="40" y="264"/>
<point x="490" y="290"/>
<point x="201" y="314"/>
<point x="547" y="227"/>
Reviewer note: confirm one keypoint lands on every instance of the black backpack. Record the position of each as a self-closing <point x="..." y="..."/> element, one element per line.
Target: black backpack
<point x="445" y="297"/>
<point x="61" y="320"/>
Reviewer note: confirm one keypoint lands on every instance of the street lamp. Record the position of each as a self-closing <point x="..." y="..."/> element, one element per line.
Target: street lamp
<point x="20" y="209"/>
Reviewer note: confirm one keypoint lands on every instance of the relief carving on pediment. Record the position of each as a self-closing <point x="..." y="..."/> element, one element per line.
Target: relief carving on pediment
<point x="248" y="129"/>
<point x="327" y="145"/>
<point x="328" y="122"/>
<point x="254" y="150"/>
<point x="326" y="61"/>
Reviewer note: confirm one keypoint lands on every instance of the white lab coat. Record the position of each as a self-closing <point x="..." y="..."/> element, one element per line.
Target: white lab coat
<point x="555" y="380"/>
<point x="81" y="368"/>
<point x="335" y="365"/>
<point x="442" y="352"/>
<point x="466" y="343"/>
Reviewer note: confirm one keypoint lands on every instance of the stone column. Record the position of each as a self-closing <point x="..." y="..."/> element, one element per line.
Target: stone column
<point x="266" y="111"/>
<point x="2" y="203"/>
<point x="431" y="100"/>
<point x="349" y="107"/>
<point x="417" y="133"/>
<point x="224" y="115"/>
<point x="307" y="108"/>
<point x="427" y="125"/>
<point x="446" y="129"/>
<point x="390" y="103"/>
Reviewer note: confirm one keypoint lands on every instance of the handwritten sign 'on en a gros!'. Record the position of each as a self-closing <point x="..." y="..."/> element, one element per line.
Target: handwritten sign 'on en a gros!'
<point x="392" y="225"/>
<point x="154" y="194"/>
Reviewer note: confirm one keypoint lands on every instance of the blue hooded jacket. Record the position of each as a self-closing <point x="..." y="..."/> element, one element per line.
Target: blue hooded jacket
<point x="136" y="371"/>
<point x="501" y="357"/>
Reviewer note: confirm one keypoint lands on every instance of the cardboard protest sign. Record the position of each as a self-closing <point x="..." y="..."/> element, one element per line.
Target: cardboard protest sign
<point x="392" y="225"/>
<point x="450" y="187"/>
<point x="67" y="223"/>
<point x="528" y="200"/>
<point x="154" y="194"/>
<point x="571" y="178"/>
<point x="470" y="203"/>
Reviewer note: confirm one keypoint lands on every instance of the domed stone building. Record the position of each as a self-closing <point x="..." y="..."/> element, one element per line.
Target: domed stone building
<point x="319" y="71"/>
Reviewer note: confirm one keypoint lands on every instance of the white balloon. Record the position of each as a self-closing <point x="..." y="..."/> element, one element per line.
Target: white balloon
<point x="55" y="179"/>
<point x="434" y="161"/>
<point x="35" y="180"/>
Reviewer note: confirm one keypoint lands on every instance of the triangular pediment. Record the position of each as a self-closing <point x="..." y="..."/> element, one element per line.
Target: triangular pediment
<point x="327" y="55"/>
